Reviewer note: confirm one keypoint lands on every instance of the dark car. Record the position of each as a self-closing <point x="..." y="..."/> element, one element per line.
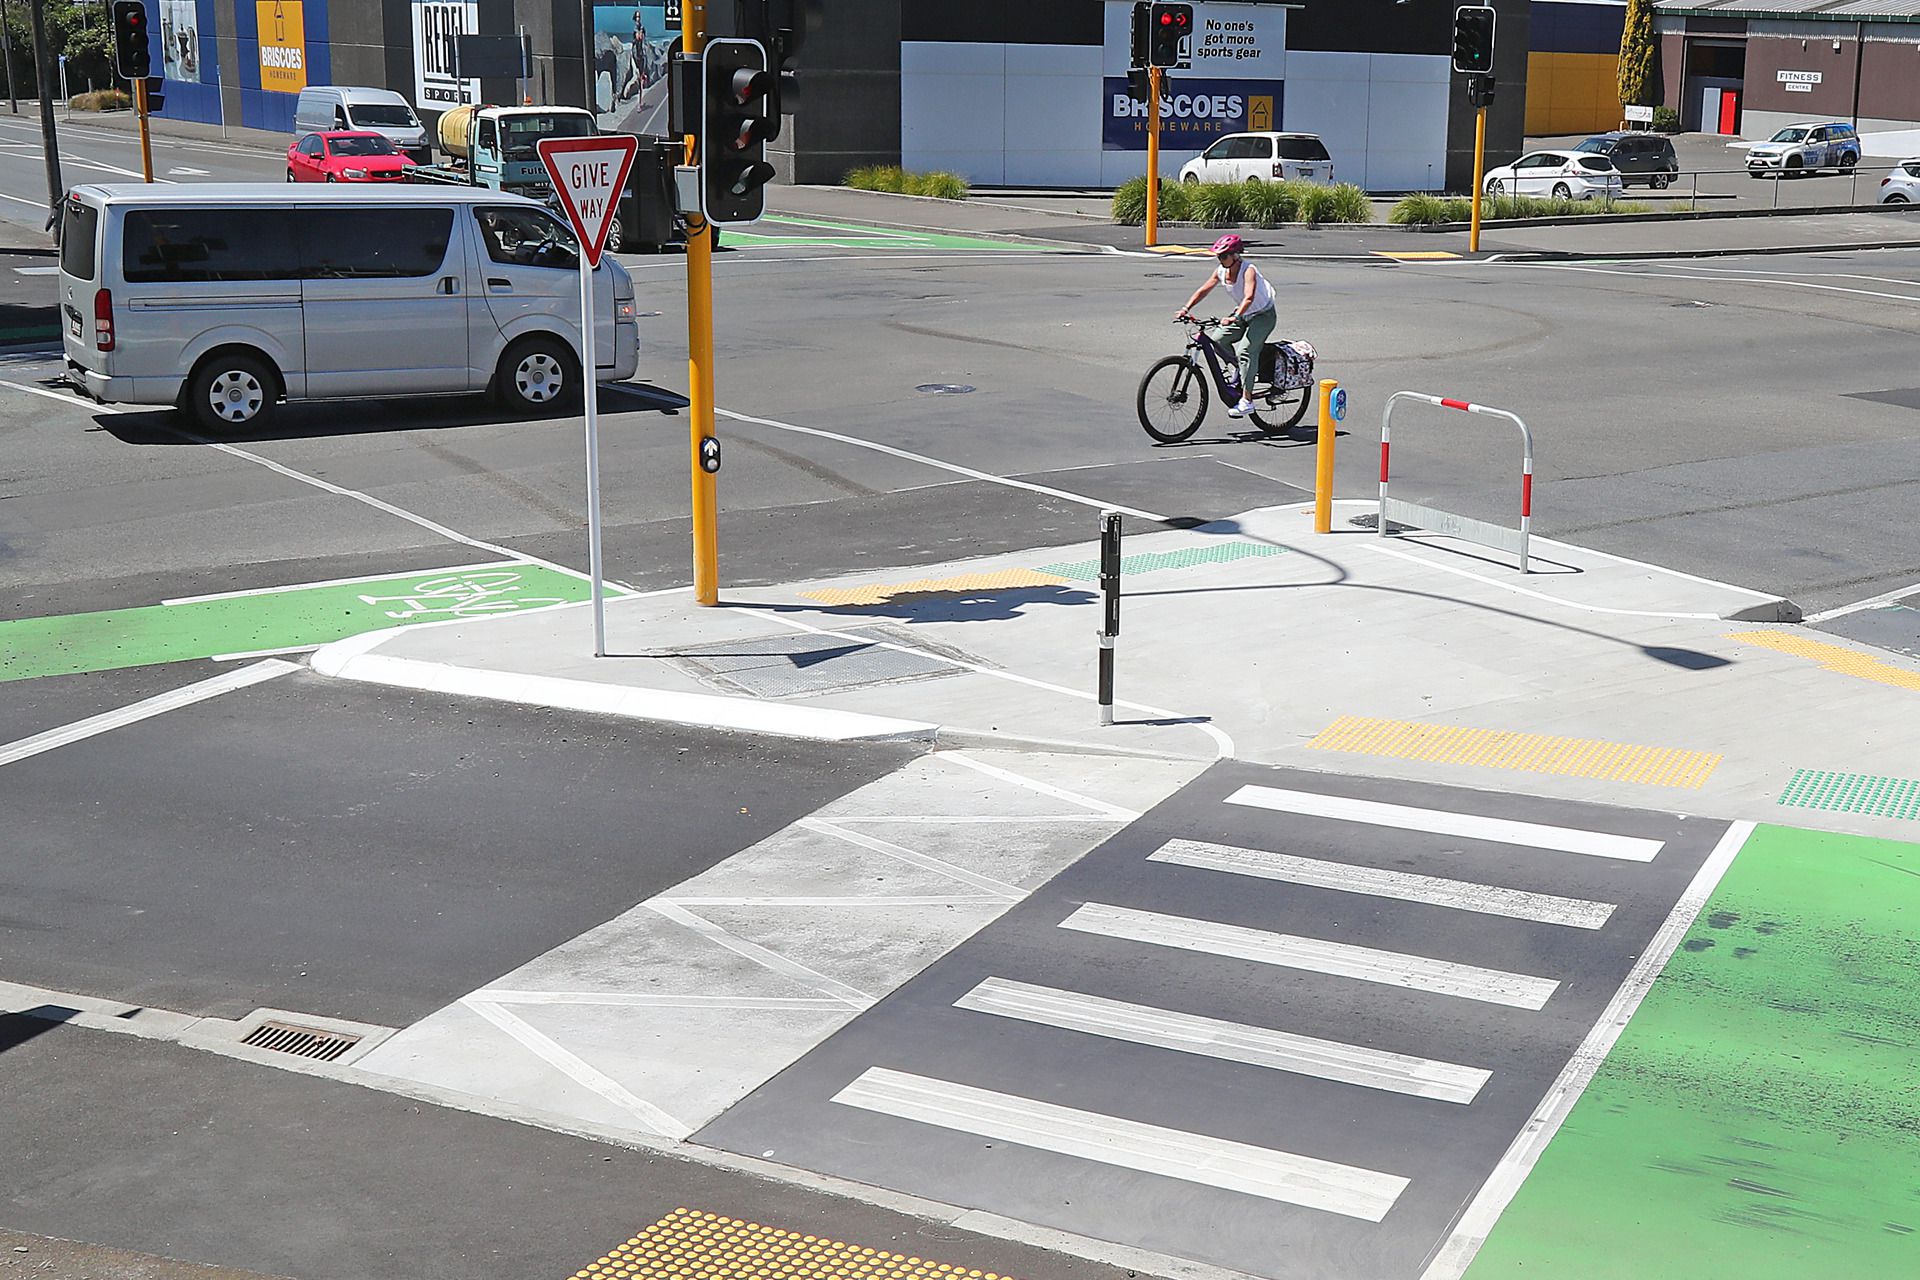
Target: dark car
<point x="1640" y="157"/>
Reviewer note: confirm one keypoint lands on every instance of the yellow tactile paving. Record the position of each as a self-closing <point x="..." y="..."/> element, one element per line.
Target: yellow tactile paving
<point x="1526" y="752"/>
<point x="688" y="1244"/>
<point x="1414" y="255"/>
<point x="1180" y="248"/>
<point x="881" y="592"/>
<point x="1837" y="658"/>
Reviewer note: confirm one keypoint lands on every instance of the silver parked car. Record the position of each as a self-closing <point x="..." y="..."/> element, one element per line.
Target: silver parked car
<point x="224" y="298"/>
<point x="1805" y="148"/>
<point x="1902" y="185"/>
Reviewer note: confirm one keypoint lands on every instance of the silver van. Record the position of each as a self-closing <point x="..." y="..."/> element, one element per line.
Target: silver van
<point x="344" y="106"/>
<point x="224" y="298"/>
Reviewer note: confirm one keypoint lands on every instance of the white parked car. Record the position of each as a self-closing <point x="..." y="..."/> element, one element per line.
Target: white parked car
<point x="1240" y="157"/>
<point x="1563" y="174"/>
<point x="1902" y="186"/>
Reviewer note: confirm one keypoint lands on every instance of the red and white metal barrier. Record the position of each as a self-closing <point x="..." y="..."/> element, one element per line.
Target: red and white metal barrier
<point x="1434" y="520"/>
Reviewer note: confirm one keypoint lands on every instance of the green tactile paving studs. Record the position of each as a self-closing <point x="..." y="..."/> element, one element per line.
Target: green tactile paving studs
<point x="1188" y="558"/>
<point x="1854" y="793"/>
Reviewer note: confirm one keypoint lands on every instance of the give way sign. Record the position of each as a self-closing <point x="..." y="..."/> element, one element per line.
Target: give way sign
<point x="589" y="174"/>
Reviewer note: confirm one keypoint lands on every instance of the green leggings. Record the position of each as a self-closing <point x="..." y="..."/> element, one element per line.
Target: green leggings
<point x="1256" y="329"/>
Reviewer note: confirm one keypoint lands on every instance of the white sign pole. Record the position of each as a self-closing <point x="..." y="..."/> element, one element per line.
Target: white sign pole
<point x="589" y="175"/>
<point x="591" y="391"/>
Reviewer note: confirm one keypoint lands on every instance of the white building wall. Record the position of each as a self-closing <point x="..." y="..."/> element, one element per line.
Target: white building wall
<point x="1030" y="115"/>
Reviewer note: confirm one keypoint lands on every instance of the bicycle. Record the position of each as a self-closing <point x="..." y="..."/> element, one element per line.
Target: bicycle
<point x="1173" y="395"/>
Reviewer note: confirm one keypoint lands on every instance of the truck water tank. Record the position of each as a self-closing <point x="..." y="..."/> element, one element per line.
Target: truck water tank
<point x="454" y="126"/>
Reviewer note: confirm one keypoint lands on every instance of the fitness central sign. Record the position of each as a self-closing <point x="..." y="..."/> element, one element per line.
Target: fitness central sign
<point x="1193" y="113"/>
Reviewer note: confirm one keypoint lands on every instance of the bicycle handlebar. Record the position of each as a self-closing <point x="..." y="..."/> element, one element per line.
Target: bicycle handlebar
<point x="1210" y="322"/>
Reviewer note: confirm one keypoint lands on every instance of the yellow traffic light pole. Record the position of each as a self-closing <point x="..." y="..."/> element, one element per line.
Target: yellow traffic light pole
<point x="146" y="137"/>
<point x="700" y="425"/>
<point x="1479" y="177"/>
<point x="1153" y="156"/>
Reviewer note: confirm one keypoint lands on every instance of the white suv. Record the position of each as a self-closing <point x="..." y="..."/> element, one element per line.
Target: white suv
<point x="1806" y="148"/>
<point x="1240" y="157"/>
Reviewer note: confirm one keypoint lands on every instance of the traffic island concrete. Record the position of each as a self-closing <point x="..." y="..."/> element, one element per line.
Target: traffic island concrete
<point x="1592" y="678"/>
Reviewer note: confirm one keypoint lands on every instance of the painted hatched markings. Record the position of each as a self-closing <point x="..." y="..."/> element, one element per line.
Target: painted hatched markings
<point x="690" y="1243"/>
<point x="1522" y="752"/>
<point x="1853" y="793"/>
<point x="1109" y="1035"/>
<point x="268" y="620"/>
<point x="1148" y="1148"/>
<point x="1836" y="658"/>
<point x="1154" y="561"/>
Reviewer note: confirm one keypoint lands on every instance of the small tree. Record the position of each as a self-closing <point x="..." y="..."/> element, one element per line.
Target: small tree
<point x="1636" y="55"/>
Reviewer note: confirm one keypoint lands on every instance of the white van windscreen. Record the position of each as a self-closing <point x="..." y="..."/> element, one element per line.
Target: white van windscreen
<point x="79" y="230"/>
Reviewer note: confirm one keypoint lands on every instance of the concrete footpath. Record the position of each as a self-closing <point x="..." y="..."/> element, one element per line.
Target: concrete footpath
<point x="1590" y="678"/>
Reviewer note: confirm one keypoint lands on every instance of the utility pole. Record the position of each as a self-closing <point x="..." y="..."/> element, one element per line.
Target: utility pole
<point x="6" y="53"/>
<point x="49" y="140"/>
<point x="703" y="442"/>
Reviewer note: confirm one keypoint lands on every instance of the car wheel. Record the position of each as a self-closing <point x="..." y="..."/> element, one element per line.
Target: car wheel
<point x="1190" y="179"/>
<point x="290" y="177"/>
<point x="1847" y="162"/>
<point x="229" y="390"/>
<point x="616" y="234"/>
<point x="1660" y="181"/>
<point x="1895" y="198"/>
<point x="331" y="178"/>
<point x="537" y="375"/>
<point x="1496" y="188"/>
<point x="1561" y="191"/>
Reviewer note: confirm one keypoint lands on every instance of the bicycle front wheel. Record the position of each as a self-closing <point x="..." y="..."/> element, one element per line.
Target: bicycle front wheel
<point x="1172" y="400"/>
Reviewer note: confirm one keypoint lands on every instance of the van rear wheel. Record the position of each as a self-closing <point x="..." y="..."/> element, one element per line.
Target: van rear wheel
<point x="231" y="390"/>
<point x="537" y="375"/>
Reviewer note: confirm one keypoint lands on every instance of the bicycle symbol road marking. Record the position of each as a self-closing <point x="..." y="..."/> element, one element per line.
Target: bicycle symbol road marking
<point x="461" y="596"/>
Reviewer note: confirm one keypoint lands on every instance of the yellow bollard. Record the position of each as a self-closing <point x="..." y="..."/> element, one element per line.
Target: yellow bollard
<point x="1323" y="460"/>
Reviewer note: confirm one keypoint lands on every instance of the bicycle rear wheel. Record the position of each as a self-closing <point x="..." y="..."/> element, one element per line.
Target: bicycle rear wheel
<point x="1282" y="410"/>
<point x="1172" y="400"/>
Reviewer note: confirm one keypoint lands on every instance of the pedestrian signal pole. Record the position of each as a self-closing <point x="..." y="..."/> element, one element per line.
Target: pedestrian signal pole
<point x="1153" y="156"/>
<point x="703" y="443"/>
<point x="1473" y="26"/>
<point x="133" y="58"/>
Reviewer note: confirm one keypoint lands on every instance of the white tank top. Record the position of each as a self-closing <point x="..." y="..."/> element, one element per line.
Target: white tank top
<point x="1262" y="293"/>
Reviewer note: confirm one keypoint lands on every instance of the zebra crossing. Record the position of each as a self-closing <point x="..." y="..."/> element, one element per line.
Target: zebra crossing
<point x="1285" y="1023"/>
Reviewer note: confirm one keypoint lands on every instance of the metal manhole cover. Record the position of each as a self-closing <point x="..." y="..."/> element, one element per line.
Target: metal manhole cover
<point x="301" y="1042"/>
<point x="790" y="666"/>
<point x="943" y="389"/>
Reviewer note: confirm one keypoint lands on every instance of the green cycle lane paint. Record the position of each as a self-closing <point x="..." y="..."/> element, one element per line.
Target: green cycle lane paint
<point x="1758" y="1118"/>
<point x="275" y="618"/>
<point x="780" y="232"/>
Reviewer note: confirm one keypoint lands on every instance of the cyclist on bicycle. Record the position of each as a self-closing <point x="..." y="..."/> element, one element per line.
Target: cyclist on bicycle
<point x="1252" y="318"/>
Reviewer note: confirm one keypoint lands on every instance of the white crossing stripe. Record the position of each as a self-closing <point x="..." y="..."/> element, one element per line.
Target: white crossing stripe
<point x="1127" y="1144"/>
<point x="159" y="704"/>
<point x="1461" y="895"/>
<point x="1596" y="844"/>
<point x="1231" y="1041"/>
<point x="1390" y="968"/>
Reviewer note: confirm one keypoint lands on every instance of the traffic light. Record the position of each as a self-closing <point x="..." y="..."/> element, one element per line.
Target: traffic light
<point x="1170" y="25"/>
<point x="1473" y="39"/>
<point x="1142" y="19"/>
<point x="1480" y="91"/>
<point x="131" y="56"/>
<point x="736" y="89"/>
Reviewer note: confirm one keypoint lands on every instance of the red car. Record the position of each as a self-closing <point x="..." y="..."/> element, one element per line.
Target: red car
<point x="341" y="156"/>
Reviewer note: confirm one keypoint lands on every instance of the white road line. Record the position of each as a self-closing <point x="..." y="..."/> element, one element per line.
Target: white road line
<point x="1595" y="844"/>
<point x="1754" y="280"/>
<point x="145" y="709"/>
<point x="505" y="553"/>
<point x="1339" y="959"/>
<point x="1230" y="1041"/>
<point x="942" y="820"/>
<point x="1885" y="597"/>
<point x="579" y="1071"/>
<point x="266" y="653"/>
<point x="1044" y="788"/>
<point x="1377" y="546"/>
<point x="38" y="204"/>
<point x="963" y="900"/>
<point x="341" y="582"/>
<point x="886" y="848"/>
<point x="1460" y="895"/>
<point x="633" y="999"/>
<point x="1127" y="1144"/>
<point x="851" y="996"/>
<point x="1497" y="1192"/>
<point x="37" y="271"/>
<point x="954" y="467"/>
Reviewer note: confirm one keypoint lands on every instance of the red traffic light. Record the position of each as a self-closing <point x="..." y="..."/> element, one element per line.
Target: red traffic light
<point x="1166" y="19"/>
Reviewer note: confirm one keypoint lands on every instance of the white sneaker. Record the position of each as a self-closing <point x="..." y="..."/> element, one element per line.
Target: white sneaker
<point x="1242" y="409"/>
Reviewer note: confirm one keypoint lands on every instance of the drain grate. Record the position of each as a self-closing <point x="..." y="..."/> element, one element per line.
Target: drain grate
<point x="301" y="1042"/>
<point x="794" y="665"/>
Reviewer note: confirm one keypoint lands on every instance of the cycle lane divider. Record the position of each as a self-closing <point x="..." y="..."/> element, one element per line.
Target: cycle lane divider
<point x="269" y="620"/>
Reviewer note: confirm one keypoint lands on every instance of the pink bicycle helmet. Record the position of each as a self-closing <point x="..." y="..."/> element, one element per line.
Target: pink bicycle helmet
<point x="1229" y="243"/>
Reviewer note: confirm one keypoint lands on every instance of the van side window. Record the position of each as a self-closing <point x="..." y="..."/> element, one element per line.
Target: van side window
<point x="375" y="243"/>
<point x="191" y="245"/>
<point x="527" y="238"/>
